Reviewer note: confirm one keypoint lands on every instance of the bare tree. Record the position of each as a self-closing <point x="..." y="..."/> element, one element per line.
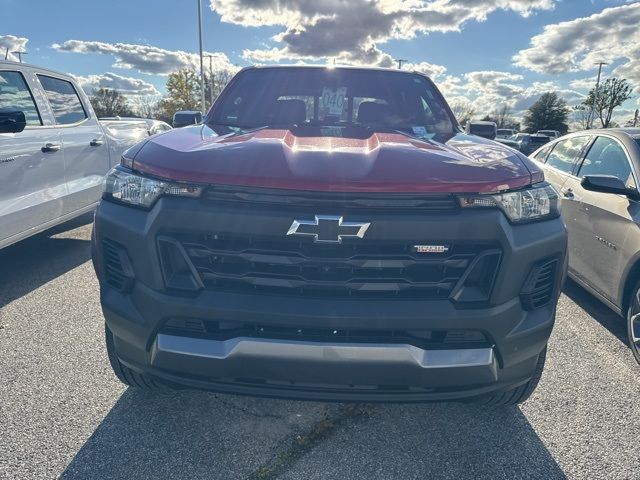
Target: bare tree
<point x="580" y="116"/>
<point x="216" y="82"/>
<point x="463" y="110"/>
<point x="611" y="94"/>
<point x="146" y="106"/>
<point x="503" y="116"/>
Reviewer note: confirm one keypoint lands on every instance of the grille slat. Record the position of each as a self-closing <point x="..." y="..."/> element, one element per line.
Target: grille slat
<point x="345" y="202"/>
<point x="290" y="266"/>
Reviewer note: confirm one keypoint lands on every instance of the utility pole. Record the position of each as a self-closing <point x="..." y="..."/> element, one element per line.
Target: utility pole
<point x="19" y="53"/>
<point x="210" y="79"/>
<point x="400" y="62"/>
<point x="202" y="100"/>
<point x="6" y="53"/>
<point x="595" y="95"/>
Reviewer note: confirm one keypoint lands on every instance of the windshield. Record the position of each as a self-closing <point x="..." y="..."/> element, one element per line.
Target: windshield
<point x="326" y="97"/>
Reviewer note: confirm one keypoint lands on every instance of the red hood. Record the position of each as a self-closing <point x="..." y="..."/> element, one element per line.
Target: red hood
<point x="384" y="162"/>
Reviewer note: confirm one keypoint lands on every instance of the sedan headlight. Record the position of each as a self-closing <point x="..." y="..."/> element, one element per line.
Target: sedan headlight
<point x="125" y="186"/>
<point x="539" y="202"/>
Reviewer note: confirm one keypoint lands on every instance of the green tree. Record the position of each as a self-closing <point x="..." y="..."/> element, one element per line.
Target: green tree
<point x="609" y="95"/>
<point x="107" y="102"/>
<point x="183" y="93"/>
<point x="550" y="112"/>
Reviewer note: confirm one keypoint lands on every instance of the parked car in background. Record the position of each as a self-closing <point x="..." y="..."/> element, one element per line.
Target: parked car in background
<point x="54" y="153"/>
<point x="153" y="126"/>
<point x="504" y="133"/>
<point x="509" y="142"/>
<point x="131" y="129"/>
<point x="527" y="142"/>
<point x="482" y="129"/>
<point x="127" y="130"/>
<point x="552" y="134"/>
<point x="184" y="118"/>
<point x="597" y="173"/>
<point x="329" y="234"/>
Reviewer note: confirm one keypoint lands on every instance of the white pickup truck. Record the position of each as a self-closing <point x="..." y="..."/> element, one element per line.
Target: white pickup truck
<point x="54" y="153"/>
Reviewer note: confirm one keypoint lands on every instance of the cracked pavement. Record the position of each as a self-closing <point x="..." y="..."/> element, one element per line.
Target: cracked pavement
<point x="64" y="415"/>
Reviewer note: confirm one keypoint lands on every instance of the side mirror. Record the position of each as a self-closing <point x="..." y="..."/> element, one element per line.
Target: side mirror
<point x="12" y="121"/>
<point x="608" y="184"/>
<point x="185" y="117"/>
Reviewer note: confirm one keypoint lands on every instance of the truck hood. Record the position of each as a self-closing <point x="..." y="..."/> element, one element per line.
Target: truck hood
<point x="382" y="162"/>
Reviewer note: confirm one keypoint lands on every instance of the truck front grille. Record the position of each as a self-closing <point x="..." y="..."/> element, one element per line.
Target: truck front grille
<point x="291" y="200"/>
<point x="291" y="266"/>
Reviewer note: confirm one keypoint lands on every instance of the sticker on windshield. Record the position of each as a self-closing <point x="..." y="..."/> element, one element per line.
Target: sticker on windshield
<point x="419" y="131"/>
<point x="422" y="133"/>
<point x="332" y="102"/>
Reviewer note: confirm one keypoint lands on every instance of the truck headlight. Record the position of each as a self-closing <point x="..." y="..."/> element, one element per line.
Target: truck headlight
<point x="125" y="186"/>
<point x="539" y="202"/>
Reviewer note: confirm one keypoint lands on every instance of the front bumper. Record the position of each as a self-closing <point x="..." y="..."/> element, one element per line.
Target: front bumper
<point x="325" y="370"/>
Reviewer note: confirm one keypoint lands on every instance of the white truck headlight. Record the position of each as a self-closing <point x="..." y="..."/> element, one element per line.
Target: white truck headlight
<point x="539" y="202"/>
<point x="125" y="186"/>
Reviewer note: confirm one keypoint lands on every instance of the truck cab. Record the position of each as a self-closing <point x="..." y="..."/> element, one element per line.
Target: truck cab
<point x="53" y="151"/>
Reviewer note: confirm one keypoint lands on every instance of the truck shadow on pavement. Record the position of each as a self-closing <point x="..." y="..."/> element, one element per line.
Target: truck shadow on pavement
<point x="194" y="435"/>
<point x="597" y="310"/>
<point x="31" y="263"/>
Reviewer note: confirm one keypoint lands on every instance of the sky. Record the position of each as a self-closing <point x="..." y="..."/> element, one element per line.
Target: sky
<point x="488" y="53"/>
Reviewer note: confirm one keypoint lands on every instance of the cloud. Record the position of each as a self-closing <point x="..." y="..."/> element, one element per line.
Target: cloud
<point x="125" y="85"/>
<point x="434" y="71"/>
<point x="13" y="44"/>
<point x="352" y="30"/>
<point x="144" y="58"/>
<point x="611" y="36"/>
<point x="490" y="90"/>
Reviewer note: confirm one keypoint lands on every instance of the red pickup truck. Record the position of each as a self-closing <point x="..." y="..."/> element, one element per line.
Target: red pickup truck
<point x="329" y="234"/>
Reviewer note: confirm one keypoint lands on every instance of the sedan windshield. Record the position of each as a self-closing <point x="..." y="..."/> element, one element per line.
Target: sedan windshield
<point x="333" y="97"/>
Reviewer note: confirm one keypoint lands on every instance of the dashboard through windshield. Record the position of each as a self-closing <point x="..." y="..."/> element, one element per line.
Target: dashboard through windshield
<point x="332" y="97"/>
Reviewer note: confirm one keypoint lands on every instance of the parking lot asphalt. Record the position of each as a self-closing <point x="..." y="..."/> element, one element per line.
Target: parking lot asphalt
<point x="64" y="415"/>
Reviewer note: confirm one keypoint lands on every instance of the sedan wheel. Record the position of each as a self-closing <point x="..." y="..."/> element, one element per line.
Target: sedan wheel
<point x="633" y="323"/>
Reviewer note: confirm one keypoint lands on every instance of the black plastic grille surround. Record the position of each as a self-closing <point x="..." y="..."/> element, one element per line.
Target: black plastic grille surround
<point x="539" y="288"/>
<point x="354" y="268"/>
<point x="118" y="270"/>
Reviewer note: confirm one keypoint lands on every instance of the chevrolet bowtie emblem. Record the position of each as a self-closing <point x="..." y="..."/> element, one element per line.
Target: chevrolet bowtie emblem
<point x="328" y="229"/>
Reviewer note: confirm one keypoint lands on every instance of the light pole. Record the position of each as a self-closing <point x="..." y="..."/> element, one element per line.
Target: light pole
<point x="210" y="78"/>
<point x="19" y="53"/>
<point x="400" y="62"/>
<point x="202" y="101"/>
<point x="595" y="95"/>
